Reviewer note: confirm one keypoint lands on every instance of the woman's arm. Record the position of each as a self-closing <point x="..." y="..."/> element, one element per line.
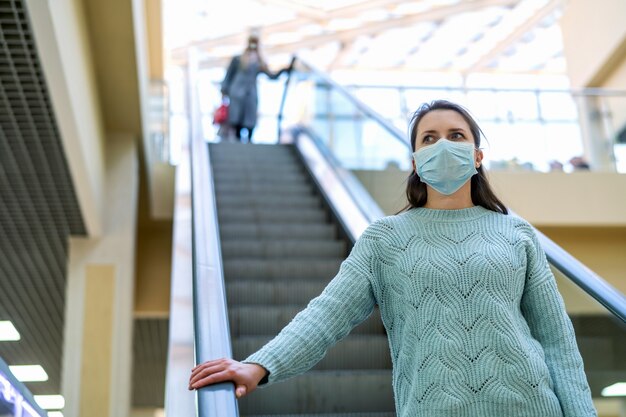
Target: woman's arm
<point x="544" y="310"/>
<point x="345" y="302"/>
<point x="272" y="75"/>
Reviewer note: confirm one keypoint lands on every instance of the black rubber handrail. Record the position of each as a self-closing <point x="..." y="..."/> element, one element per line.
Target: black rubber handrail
<point x="211" y="327"/>
<point x="569" y="266"/>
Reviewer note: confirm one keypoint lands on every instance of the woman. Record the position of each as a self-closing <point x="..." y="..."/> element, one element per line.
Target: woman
<point x="475" y="322"/>
<point x="240" y="87"/>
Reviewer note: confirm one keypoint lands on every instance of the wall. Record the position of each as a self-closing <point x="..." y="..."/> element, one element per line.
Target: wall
<point x="592" y="199"/>
<point x="583" y="212"/>
<point x="65" y="53"/>
<point x="594" y="37"/>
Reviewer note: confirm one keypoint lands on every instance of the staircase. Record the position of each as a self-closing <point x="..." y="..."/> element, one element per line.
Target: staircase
<point x="280" y="249"/>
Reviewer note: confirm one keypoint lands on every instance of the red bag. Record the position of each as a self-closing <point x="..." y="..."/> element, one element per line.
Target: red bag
<point x="221" y="114"/>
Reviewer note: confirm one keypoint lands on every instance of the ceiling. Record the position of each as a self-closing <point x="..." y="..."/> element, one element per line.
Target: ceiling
<point x="464" y="36"/>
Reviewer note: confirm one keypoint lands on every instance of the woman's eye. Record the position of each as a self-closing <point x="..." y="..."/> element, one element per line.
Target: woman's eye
<point x="428" y="139"/>
<point x="457" y="135"/>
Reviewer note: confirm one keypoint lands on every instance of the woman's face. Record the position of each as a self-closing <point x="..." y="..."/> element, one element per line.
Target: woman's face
<point x="442" y="124"/>
<point x="447" y="124"/>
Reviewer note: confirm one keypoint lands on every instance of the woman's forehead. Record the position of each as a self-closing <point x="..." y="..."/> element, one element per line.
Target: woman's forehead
<point x="442" y="120"/>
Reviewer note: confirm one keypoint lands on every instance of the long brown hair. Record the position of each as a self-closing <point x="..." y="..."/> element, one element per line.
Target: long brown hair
<point x="482" y="194"/>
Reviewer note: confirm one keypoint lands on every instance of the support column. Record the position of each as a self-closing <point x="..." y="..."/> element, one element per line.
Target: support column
<point x="596" y="126"/>
<point x="97" y="354"/>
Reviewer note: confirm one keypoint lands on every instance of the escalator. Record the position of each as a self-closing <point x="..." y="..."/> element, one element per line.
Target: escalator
<point x="280" y="247"/>
<point x="271" y="225"/>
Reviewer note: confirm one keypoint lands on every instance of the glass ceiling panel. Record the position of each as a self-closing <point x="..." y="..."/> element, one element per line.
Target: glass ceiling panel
<point x="375" y="34"/>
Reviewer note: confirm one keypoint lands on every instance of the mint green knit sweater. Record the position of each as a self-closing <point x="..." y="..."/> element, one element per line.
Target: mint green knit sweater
<point x="475" y="323"/>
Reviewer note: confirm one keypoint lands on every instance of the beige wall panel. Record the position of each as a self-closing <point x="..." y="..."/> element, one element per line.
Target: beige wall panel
<point x="97" y="335"/>
<point x="154" y="266"/>
<point x="154" y="26"/>
<point x="601" y="249"/>
<point x="594" y="37"/>
<point x="544" y="199"/>
<point x="112" y="40"/>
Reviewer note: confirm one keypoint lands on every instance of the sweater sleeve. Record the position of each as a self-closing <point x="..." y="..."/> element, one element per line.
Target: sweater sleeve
<point x="345" y="302"/>
<point x="544" y="310"/>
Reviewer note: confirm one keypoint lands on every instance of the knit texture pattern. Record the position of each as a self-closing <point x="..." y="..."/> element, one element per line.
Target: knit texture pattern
<point x="475" y="322"/>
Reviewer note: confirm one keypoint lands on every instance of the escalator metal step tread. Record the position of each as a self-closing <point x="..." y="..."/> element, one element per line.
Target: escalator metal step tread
<point x="251" y="214"/>
<point x="324" y="391"/>
<point x="270" y="320"/>
<point x="283" y="248"/>
<point x="244" y="200"/>
<point x="356" y="352"/>
<point x="264" y="189"/>
<point x="322" y="269"/>
<point x="279" y="292"/>
<point x="287" y="230"/>
<point x="259" y="178"/>
<point x="280" y="250"/>
<point x="381" y="414"/>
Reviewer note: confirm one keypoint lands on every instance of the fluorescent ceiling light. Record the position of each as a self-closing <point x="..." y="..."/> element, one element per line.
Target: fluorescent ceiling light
<point x="50" y="402"/>
<point x="8" y="332"/>
<point x="29" y="373"/>
<point x="55" y="414"/>
<point x="616" y="390"/>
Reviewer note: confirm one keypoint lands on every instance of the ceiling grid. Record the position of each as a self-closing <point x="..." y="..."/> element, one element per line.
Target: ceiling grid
<point x="150" y="337"/>
<point x="38" y="205"/>
<point x="467" y="36"/>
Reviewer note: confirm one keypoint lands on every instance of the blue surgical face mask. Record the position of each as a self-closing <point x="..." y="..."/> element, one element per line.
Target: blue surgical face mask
<point x="446" y="165"/>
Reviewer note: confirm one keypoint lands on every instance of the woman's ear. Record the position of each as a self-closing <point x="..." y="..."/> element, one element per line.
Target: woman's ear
<point x="478" y="158"/>
<point x="414" y="167"/>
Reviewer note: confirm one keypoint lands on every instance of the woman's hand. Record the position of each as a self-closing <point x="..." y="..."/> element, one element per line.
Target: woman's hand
<point x="246" y="376"/>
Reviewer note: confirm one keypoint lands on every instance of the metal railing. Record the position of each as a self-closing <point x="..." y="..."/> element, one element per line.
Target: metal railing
<point x="569" y="266"/>
<point x="526" y="129"/>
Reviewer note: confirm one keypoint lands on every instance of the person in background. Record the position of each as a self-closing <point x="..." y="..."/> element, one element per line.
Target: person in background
<point x="579" y="163"/>
<point x="556" y="166"/>
<point x="240" y="87"/>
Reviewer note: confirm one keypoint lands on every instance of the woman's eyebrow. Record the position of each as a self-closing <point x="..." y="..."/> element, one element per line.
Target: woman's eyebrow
<point x="454" y="129"/>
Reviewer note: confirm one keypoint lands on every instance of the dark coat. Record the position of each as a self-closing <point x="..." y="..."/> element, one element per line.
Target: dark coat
<point x="241" y="88"/>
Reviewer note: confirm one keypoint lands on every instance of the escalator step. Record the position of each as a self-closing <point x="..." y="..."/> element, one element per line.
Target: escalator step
<point x="247" y="215"/>
<point x="279" y="251"/>
<point x="320" y="269"/>
<point x="354" y="352"/>
<point x="323" y="391"/>
<point x="259" y="176"/>
<point x="259" y="293"/>
<point x="254" y="249"/>
<point x="264" y="190"/>
<point x="267" y="167"/>
<point x="226" y="202"/>
<point x="255" y="180"/>
<point x="292" y="231"/>
<point x="380" y="414"/>
<point x="270" y="320"/>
